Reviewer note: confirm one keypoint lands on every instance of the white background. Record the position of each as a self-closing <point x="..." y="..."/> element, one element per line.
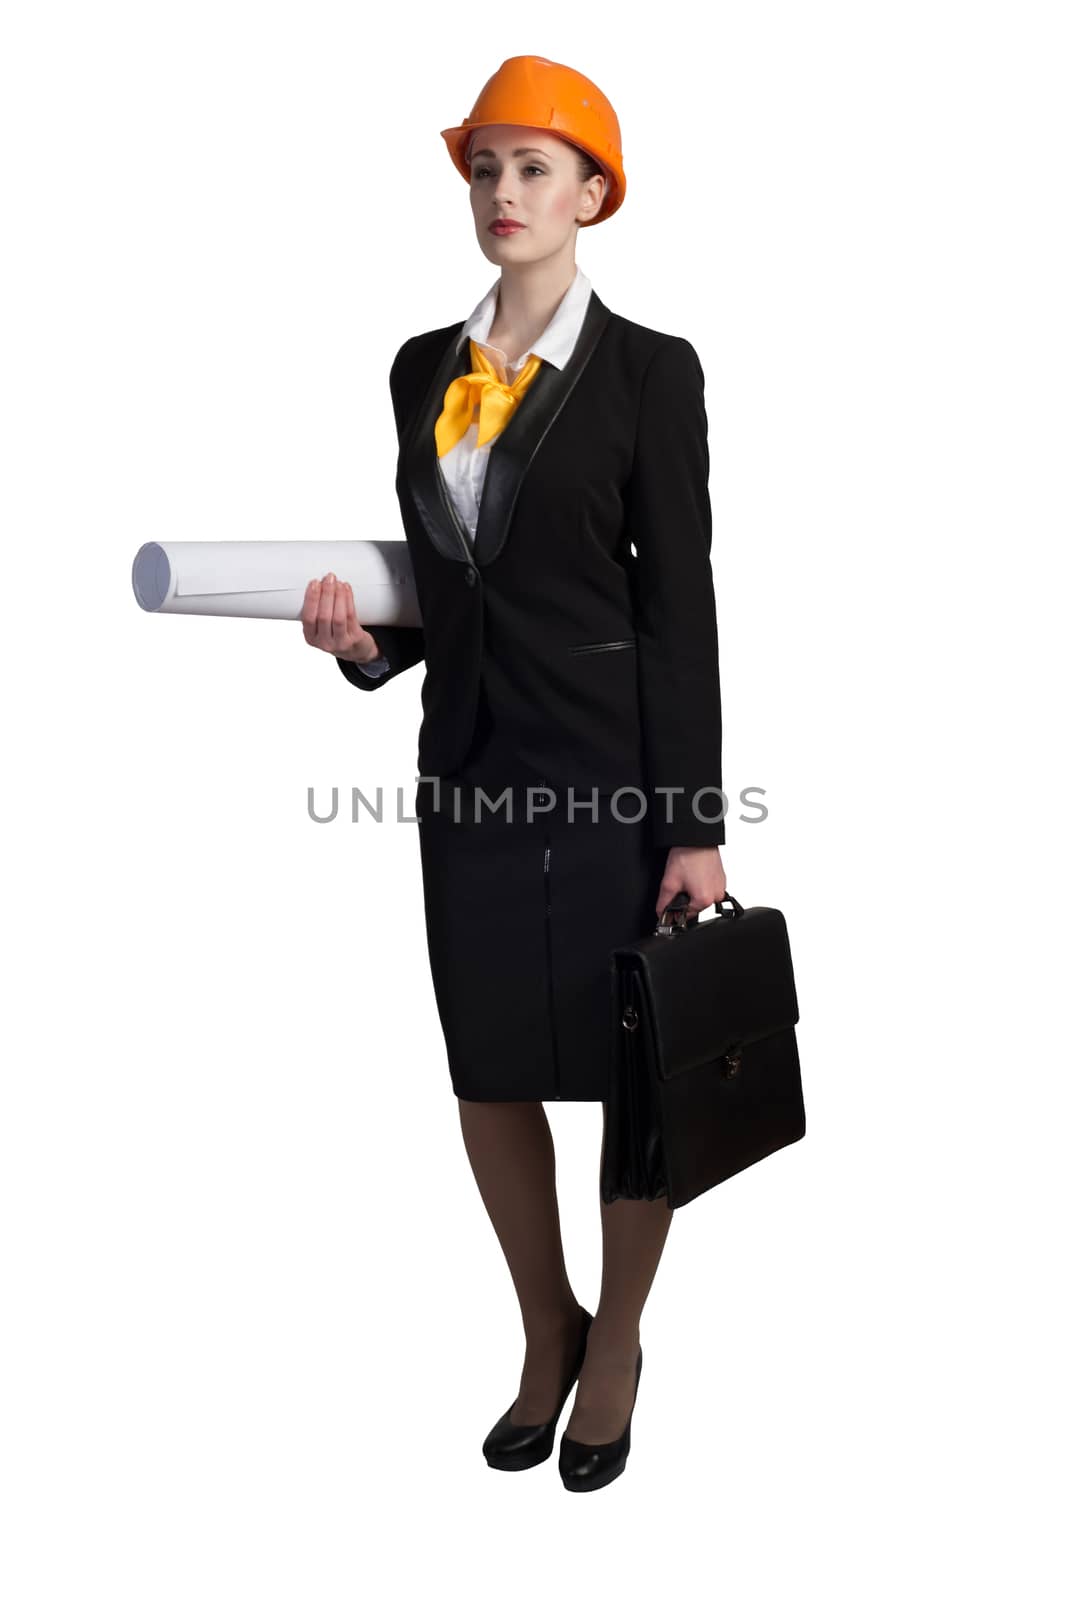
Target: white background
<point x="257" y="1322"/>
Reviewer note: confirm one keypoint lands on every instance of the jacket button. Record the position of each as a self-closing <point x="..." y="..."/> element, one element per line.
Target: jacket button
<point x="471" y="575"/>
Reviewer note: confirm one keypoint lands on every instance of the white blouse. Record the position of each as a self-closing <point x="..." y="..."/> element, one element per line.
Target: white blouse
<point x="464" y="466"/>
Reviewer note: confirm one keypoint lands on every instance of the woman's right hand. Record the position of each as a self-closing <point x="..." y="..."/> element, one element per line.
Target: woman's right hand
<point x="330" y="621"/>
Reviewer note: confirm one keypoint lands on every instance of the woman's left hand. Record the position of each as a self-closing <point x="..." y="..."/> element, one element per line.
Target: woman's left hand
<point x="697" y="869"/>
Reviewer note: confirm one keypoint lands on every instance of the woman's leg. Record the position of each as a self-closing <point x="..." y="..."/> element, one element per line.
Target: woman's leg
<point x="510" y="1147"/>
<point x="632" y="1238"/>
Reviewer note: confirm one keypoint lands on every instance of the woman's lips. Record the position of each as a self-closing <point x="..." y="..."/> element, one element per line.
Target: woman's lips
<point x="506" y="227"/>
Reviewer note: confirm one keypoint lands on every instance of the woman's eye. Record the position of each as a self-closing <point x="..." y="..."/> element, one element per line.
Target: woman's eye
<point x="478" y="172"/>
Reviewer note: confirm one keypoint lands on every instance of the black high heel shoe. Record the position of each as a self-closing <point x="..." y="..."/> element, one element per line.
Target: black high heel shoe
<point x="513" y="1446"/>
<point x="591" y="1466"/>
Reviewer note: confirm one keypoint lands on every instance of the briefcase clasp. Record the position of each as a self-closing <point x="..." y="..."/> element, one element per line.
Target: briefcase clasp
<point x="732" y="1061"/>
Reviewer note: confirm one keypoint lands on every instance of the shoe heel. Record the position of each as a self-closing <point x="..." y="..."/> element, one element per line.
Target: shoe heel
<point x="591" y="1466"/>
<point x="515" y="1446"/>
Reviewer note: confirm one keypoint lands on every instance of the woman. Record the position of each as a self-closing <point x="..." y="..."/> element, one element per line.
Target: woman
<point x="553" y="483"/>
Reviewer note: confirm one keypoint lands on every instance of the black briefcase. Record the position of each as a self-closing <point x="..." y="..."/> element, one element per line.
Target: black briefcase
<point x="705" y="1075"/>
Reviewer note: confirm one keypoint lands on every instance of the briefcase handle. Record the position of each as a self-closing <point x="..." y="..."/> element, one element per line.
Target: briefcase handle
<point x="676" y="907"/>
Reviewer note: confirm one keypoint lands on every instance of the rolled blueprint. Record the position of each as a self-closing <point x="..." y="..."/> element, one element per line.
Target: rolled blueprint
<point x="268" y="577"/>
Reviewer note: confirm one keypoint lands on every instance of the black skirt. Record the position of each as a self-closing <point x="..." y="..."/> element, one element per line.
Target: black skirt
<point x="521" y="919"/>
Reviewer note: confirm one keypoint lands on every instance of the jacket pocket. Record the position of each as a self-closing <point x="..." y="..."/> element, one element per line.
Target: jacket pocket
<point x="608" y="644"/>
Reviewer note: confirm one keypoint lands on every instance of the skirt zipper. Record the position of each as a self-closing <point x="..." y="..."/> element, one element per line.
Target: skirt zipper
<point x="549" y="965"/>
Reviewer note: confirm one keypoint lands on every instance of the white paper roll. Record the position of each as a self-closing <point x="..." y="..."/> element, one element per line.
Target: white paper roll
<point x="268" y="577"/>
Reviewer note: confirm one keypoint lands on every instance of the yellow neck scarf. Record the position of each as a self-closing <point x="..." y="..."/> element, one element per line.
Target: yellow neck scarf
<point x="496" y="401"/>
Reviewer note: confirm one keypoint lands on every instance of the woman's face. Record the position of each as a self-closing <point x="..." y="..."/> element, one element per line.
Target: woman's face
<point x="528" y="176"/>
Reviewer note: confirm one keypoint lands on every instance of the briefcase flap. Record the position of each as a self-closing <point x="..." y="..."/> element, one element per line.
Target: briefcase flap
<point x="722" y="983"/>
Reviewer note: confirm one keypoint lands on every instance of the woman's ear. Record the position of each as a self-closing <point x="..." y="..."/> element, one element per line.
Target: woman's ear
<point x="592" y="203"/>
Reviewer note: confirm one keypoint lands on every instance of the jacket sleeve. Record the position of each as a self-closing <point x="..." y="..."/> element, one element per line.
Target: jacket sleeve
<point x="375" y="669"/>
<point x="669" y="523"/>
<point x="401" y="647"/>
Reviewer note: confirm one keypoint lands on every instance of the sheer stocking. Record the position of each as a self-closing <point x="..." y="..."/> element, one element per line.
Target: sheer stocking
<point x="633" y="1233"/>
<point x="510" y="1147"/>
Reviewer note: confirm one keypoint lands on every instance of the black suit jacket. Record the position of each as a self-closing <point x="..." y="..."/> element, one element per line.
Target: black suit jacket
<point x="581" y="624"/>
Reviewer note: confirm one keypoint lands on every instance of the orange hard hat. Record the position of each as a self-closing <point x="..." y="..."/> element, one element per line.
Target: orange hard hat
<point x="543" y="94"/>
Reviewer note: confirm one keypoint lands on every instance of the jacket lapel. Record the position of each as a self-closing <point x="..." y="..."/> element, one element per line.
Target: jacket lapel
<point x="512" y="451"/>
<point x="420" y="459"/>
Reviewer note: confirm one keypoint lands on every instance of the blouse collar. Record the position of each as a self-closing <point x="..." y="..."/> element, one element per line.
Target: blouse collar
<point x="554" y="345"/>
